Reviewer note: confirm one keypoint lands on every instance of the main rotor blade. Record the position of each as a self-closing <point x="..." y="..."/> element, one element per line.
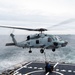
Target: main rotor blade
<point x="62" y="23"/>
<point x="21" y="28"/>
<point x="40" y="29"/>
<point x="17" y="28"/>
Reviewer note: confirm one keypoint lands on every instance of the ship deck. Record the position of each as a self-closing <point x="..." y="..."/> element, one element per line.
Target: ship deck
<point x="38" y="68"/>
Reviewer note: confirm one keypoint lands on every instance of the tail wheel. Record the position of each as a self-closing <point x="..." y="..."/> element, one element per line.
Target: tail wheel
<point x="42" y="50"/>
<point x="53" y="50"/>
<point x="12" y="35"/>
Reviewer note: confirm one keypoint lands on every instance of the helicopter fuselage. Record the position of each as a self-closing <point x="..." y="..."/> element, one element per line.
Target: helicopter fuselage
<point x="44" y="41"/>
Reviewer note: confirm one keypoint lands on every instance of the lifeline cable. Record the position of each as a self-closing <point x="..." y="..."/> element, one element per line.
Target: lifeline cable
<point x="45" y="56"/>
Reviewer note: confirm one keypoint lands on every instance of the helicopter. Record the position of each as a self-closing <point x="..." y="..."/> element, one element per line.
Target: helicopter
<point x="40" y="40"/>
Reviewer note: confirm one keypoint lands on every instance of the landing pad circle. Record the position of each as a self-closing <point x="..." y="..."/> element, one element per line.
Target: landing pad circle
<point x="42" y="72"/>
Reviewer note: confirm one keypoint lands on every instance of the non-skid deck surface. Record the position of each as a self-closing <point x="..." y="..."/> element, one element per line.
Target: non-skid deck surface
<point x="36" y="68"/>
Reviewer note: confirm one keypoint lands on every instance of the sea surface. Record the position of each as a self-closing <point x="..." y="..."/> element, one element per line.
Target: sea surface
<point x="11" y="55"/>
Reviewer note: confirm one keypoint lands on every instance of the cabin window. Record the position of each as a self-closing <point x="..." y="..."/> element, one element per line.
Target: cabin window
<point x="28" y="37"/>
<point x="37" y="41"/>
<point x="49" y="39"/>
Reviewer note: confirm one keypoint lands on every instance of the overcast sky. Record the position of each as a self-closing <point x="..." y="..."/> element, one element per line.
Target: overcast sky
<point x="36" y="14"/>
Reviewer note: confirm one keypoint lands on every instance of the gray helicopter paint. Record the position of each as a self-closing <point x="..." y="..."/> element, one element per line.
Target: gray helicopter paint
<point x="41" y="40"/>
<point x="44" y="42"/>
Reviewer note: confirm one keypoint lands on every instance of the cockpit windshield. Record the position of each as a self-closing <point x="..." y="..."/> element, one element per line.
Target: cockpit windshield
<point x="57" y="38"/>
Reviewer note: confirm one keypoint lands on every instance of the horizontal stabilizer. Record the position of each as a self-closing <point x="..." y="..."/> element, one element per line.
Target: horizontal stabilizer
<point x="10" y="44"/>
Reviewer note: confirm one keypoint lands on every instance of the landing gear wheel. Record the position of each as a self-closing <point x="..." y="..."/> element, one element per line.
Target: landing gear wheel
<point x="30" y="51"/>
<point x="53" y="50"/>
<point x="42" y="51"/>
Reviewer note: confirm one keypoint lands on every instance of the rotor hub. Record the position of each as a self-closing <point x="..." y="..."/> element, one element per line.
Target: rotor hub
<point x="41" y="30"/>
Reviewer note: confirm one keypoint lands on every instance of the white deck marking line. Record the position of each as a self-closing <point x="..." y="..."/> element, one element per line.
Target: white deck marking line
<point x="42" y="71"/>
<point x="55" y="64"/>
<point x="57" y="69"/>
<point x="22" y="67"/>
<point x="35" y="67"/>
<point x="69" y="70"/>
<point x="40" y="68"/>
<point x="63" y="70"/>
<point x="25" y="66"/>
<point x="19" y="74"/>
<point x="58" y="73"/>
<point x="73" y="71"/>
<point x="34" y="72"/>
<point x="30" y="67"/>
<point x="47" y="73"/>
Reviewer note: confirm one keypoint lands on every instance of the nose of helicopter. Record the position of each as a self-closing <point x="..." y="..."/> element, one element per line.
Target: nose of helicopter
<point x="64" y="44"/>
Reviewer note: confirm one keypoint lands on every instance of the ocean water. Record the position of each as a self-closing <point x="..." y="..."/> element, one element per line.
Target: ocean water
<point x="10" y="55"/>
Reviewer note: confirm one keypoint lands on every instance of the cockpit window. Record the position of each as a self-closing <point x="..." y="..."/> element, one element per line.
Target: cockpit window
<point x="58" y="38"/>
<point x="49" y="39"/>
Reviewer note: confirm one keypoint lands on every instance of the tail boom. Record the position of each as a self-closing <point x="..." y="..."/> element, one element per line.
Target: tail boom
<point x="10" y="44"/>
